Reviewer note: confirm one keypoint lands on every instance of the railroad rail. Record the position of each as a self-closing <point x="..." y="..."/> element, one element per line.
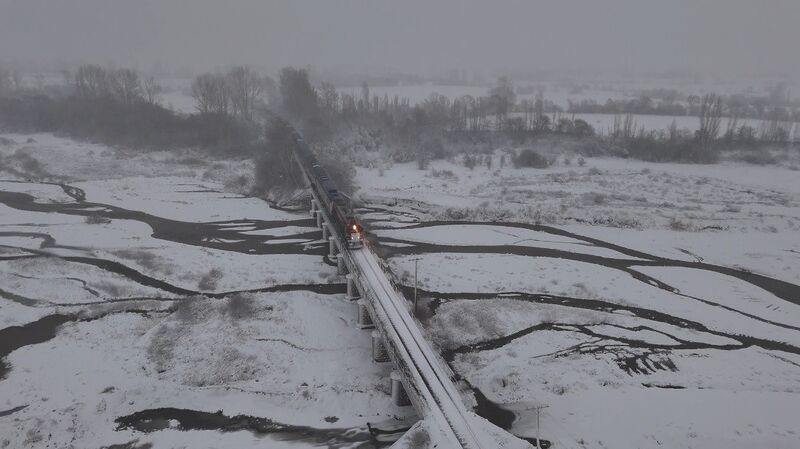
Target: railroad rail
<point x="427" y="379"/>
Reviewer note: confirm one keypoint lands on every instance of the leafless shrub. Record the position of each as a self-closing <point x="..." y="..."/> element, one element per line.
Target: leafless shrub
<point x="190" y="310"/>
<point x="242" y="184"/>
<point x="208" y="281"/>
<point x="482" y="323"/>
<point x="616" y="221"/>
<point x="240" y="305"/>
<point x="224" y="366"/>
<point x="678" y="225"/>
<point x="96" y="219"/>
<point x="444" y="174"/>
<point x="145" y="259"/>
<point x="161" y="349"/>
<point x="530" y="158"/>
<point x="757" y="157"/>
<point x="29" y="164"/>
<point x="594" y="198"/>
<point x="34" y="435"/>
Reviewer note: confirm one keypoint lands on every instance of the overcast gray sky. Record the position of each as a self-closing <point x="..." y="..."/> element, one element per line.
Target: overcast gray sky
<point x="718" y="36"/>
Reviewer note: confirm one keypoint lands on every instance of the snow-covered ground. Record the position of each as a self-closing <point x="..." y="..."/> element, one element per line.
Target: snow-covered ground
<point x="149" y="297"/>
<point x="138" y="297"/>
<point x="607" y="191"/>
<point x="646" y="305"/>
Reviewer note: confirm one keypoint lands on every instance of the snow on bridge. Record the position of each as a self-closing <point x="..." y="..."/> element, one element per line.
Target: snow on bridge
<point x="426" y="378"/>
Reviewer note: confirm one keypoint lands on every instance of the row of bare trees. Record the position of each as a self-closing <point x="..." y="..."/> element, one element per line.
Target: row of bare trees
<point x="239" y="91"/>
<point x="124" y="85"/>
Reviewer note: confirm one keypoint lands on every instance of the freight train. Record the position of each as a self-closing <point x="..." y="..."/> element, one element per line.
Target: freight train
<point x="337" y="204"/>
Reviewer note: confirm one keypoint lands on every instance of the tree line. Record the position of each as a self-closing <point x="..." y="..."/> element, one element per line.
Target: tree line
<point x="733" y="106"/>
<point x="119" y="106"/>
<point x="438" y="126"/>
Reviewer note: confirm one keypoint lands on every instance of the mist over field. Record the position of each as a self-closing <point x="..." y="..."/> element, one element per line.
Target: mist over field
<point x="371" y="224"/>
<point x="715" y="36"/>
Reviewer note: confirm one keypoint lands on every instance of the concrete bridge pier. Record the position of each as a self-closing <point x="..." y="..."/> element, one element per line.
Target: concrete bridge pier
<point x="314" y="207"/>
<point x="325" y="230"/>
<point x="352" y="290"/>
<point x="341" y="268"/>
<point x="379" y="352"/>
<point x="363" y="317"/>
<point x="399" y="395"/>
<point x="333" y="250"/>
<point x="318" y="217"/>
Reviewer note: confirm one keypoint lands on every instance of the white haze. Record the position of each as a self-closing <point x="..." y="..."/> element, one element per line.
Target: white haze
<point x="721" y="37"/>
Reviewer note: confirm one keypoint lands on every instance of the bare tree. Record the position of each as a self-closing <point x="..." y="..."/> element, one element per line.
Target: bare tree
<point x="91" y="81"/>
<point x="299" y="97"/>
<point x="540" y="120"/>
<point x="211" y="94"/>
<point x="152" y="90"/>
<point x="710" y="119"/>
<point x="244" y="89"/>
<point x="329" y="97"/>
<point x="364" y="97"/>
<point x="503" y="99"/>
<point x="125" y="85"/>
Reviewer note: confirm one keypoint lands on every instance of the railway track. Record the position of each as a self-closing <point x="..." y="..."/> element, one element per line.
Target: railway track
<point x="427" y="379"/>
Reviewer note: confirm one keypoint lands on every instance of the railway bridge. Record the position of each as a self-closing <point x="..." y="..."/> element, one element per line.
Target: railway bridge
<point x="420" y="377"/>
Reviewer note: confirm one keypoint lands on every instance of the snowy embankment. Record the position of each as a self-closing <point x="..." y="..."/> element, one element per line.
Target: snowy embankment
<point x="668" y="293"/>
<point x="138" y="298"/>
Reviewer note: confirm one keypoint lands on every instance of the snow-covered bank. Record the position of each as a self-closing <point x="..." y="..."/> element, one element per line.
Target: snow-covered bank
<point x="666" y="292"/>
<point x="130" y="284"/>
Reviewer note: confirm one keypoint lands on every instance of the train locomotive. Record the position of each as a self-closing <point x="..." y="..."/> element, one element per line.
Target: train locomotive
<point x="337" y="204"/>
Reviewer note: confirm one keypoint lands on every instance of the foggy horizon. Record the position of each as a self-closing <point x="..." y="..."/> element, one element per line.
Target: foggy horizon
<point x="715" y="37"/>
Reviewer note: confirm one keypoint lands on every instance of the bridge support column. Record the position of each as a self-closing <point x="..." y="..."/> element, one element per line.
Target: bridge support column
<point x="324" y="230"/>
<point x="332" y="249"/>
<point x="314" y="207"/>
<point x="379" y="352"/>
<point x="352" y="290"/>
<point x="340" y="266"/>
<point x="364" y="320"/>
<point x="399" y="396"/>
<point x="318" y="217"/>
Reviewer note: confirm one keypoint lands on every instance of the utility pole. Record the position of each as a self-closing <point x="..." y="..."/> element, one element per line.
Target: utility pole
<point x="538" y="409"/>
<point x="416" y="266"/>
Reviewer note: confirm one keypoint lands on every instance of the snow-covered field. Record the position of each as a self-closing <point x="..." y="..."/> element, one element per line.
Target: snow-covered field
<point x="646" y="305"/>
<point x="139" y="297"/>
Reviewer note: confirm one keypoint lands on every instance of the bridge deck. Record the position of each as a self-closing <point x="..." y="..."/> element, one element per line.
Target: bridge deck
<point x="426" y="377"/>
<point x="423" y="367"/>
